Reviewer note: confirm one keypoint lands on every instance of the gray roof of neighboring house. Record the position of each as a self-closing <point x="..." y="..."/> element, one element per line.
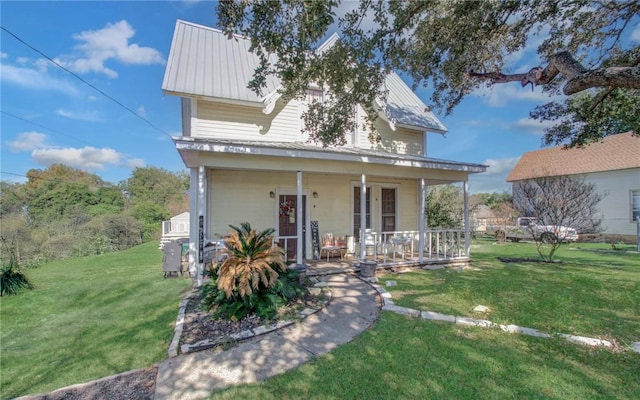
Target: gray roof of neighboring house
<point x="203" y="62"/>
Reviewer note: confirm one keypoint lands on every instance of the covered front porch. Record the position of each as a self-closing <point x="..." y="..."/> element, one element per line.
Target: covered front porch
<point x="375" y="202"/>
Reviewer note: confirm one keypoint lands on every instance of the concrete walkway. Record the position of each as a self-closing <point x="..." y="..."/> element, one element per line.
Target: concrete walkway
<point x="354" y="306"/>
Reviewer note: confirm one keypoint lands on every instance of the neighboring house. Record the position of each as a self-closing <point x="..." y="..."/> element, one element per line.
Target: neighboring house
<point x="250" y="159"/>
<point x="176" y="228"/>
<point x="612" y="165"/>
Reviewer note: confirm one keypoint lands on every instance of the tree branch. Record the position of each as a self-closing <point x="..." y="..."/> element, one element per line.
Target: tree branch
<point x="578" y="78"/>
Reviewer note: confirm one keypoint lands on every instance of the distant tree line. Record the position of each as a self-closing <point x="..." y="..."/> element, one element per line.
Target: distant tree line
<point x="445" y="205"/>
<point x="64" y="212"/>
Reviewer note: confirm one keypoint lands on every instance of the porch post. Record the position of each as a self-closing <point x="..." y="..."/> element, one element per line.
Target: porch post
<point x="421" y="213"/>
<point x="363" y="214"/>
<point x="193" y="222"/>
<point x="299" y="219"/>
<point x="467" y="239"/>
<point x="202" y="189"/>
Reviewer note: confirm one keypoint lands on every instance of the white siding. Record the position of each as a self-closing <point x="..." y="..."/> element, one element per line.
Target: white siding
<point x="239" y="196"/>
<point x="228" y="121"/>
<point x="400" y="141"/>
<point x="616" y="206"/>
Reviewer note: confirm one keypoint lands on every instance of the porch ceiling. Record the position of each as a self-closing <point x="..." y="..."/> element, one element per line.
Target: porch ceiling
<point x="295" y="156"/>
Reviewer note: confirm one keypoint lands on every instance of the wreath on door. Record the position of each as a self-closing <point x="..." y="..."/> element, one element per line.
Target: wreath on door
<point x="286" y="208"/>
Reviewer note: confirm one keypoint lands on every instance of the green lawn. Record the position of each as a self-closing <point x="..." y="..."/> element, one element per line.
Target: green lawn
<point x="93" y="317"/>
<point x="594" y="291"/>
<point x="409" y="358"/>
<point x="87" y="318"/>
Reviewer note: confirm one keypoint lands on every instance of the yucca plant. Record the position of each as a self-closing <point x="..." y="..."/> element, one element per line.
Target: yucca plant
<point x="12" y="279"/>
<point x="251" y="262"/>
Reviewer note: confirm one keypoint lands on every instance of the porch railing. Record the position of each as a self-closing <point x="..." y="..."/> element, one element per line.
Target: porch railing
<point x="175" y="228"/>
<point x="399" y="246"/>
<point x="440" y="244"/>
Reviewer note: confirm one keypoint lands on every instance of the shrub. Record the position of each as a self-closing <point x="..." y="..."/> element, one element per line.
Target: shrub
<point x="248" y="281"/>
<point x="12" y="279"/>
<point x="264" y="303"/>
<point x="251" y="261"/>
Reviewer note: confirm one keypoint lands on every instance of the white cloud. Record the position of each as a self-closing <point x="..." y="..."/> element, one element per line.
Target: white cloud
<point x="502" y="94"/>
<point x="529" y="125"/>
<point x="3" y="54"/>
<point x="86" y="158"/>
<point x="635" y="35"/>
<point x="141" y="112"/>
<point x="109" y="43"/>
<point x="133" y="163"/>
<point x="33" y="79"/>
<point x="495" y="179"/>
<point x="91" y="116"/>
<point x="27" y="141"/>
<point x="500" y="166"/>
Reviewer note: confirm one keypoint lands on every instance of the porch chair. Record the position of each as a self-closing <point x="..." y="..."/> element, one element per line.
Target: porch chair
<point x="329" y="246"/>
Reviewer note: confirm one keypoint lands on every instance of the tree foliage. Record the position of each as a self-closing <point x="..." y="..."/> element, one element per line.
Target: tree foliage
<point x="452" y="47"/>
<point x="444" y="206"/>
<point x="64" y="212"/>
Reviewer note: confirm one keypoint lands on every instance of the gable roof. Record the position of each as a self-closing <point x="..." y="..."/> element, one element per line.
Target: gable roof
<point x="615" y="152"/>
<point x="204" y="63"/>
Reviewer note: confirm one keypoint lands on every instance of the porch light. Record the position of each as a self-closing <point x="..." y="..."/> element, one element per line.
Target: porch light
<point x="272" y="194"/>
<point x="315" y="195"/>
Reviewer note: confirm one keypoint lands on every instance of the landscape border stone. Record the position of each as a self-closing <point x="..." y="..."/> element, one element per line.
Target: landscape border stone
<point x="388" y="305"/>
<point x="237" y="337"/>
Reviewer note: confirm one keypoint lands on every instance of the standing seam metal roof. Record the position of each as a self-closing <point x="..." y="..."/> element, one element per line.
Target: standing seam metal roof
<point x="203" y="62"/>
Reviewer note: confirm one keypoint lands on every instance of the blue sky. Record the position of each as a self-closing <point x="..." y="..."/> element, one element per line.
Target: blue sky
<point x="50" y="116"/>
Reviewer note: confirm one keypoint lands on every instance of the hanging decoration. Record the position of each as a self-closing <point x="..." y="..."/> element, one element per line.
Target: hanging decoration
<point x="286" y="208"/>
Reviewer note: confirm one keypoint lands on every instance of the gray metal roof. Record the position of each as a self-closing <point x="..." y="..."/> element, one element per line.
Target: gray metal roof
<point x="404" y="107"/>
<point x="203" y="62"/>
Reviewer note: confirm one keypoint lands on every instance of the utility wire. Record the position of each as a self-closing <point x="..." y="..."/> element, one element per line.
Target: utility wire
<point x="85" y="82"/>
<point x="42" y="126"/>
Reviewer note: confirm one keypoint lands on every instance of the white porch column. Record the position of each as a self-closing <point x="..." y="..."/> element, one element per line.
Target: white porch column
<point x="363" y="214"/>
<point x="193" y="222"/>
<point x="467" y="231"/>
<point x="202" y="189"/>
<point x="299" y="219"/>
<point x="421" y="218"/>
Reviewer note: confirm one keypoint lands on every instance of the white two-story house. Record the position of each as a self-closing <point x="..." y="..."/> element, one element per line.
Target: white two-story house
<point x="250" y="160"/>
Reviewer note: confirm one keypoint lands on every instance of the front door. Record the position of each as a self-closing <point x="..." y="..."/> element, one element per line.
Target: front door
<point x="288" y="224"/>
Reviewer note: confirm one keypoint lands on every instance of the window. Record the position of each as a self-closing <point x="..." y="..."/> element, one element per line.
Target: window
<point x="356" y="211"/>
<point x="635" y="205"/>
<point x="314" y="95"/>
<point x="388" y="209"/>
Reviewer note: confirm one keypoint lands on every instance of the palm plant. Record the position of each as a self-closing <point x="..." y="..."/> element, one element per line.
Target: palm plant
<point x="251" y="261"/>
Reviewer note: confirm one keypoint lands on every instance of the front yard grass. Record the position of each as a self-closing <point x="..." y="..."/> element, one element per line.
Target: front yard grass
<point x="410" y="358"/>
<point x="593" y="292"/>
<point x="87" y="318"/>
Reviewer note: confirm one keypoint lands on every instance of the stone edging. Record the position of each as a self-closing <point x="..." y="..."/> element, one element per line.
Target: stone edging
<point x="388" y="305"/>
<point x="236" y="337"/>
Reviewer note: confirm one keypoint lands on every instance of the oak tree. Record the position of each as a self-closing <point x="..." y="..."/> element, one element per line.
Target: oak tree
<point x="453" y="48"/>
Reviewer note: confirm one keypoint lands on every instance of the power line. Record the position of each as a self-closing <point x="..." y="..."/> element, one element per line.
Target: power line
<point x="44" y="127"/>
<point x="85" y="82"/>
